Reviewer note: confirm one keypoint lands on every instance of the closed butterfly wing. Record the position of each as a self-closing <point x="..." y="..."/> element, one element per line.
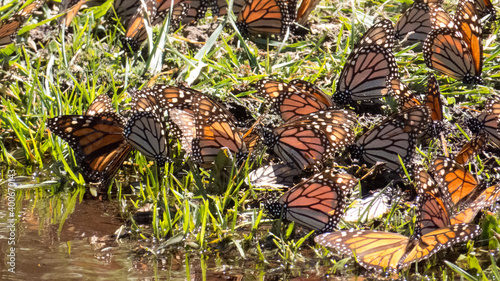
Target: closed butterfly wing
<point x="381" y="34"/>
<point x="467" y="19"/>
<point x="100" y="104"/>
<point x="146" y="132"/>
<point x="365" y="74"/>
<point x="316" y="203"/>
<point x="471" y="149"/>
<point x="449" y="54"/>
<point x="126" y="9"/>
<point x="265" y="17"/>
<point x="374" y="250"/>
<point x="182" y="11"/>
<point x="488" y="121"/>
<point x="274" y="176"/>
<point x="433" y="211"/>
<point x="310" y="139"/>
<point x="214" y="134"/>
<point x="453" y="178"/>
<point x="414" y="23"/>
<point x="9" y="29"/>
<point x="305" y="9"/>
<point x="301" y="147"/>
<point x="433" y="99"/>
<point x="97" y="141"/>
<point x="313" y="90"/>
<point x="197" y="10"/>
<point x="403" y="95"/>
<point x="422" y="17"/>
<point x="335" y="124"/>
<point x="437" y="240"/>
<point x="137" y="24"/>
<point x="486" y="8"/>
<point x="395" y="137"/>
<point x="289" y="101"/>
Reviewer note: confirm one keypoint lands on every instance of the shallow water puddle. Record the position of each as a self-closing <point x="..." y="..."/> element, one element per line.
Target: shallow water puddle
<point x="58" y="234"/>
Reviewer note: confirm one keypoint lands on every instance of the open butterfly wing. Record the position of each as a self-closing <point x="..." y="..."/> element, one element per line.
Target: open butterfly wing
<point x="375" y="250"/>
<point x="453" y="178"/>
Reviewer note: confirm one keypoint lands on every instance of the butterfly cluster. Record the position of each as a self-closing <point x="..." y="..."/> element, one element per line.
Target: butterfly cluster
<point x="254" y="17"/>
<point x="316" y="131"/>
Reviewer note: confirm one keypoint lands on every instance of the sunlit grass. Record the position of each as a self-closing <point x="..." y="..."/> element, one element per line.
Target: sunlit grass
<point x="209" y="208"/>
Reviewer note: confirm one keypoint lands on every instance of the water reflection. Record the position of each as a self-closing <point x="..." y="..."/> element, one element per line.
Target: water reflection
<point x="60" y="235"/>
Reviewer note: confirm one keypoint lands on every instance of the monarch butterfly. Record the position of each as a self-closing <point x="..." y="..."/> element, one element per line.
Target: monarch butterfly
<point x="316" y="203"/>
<point x="97" y="140"/>
<point x="292" y="102"/>
<point x="438" y="210"/>
<point x="434" y="103"/>
<point x="378" y="250"/>
<point x="146" y="132"/>
<point x="10" y="27"/>
<point x="434" y="205"/>
<point x="416" y="23"/>
<point x="487" y="122"/>
<point x="483" y="200"/>
<point x="395" y="136"/>
<point x="275" y="176"/>
<point x="457" y="51"/>
<point x="454" y="178"/>
<point x="307" y="141"/>
<point x="266" y="17"/>
<point x="145" y="12"/>
<point x="157" y="12"/>
<point x="305" y="9"/>
<point x="468" y="23"/>
<point x="403" y="95"/>
<point x="450" y="55"/>
<point x="366" y="72"/>
<point x="433" y="99"/>
<point x="212" y="135"/>
<point x="470" y="149"/>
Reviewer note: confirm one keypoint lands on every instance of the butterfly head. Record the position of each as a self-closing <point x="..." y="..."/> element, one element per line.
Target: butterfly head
<point x="474" y="80"/>
<point x="274" y="209"/>
<point x="268" y="137"/>
<point x="130" y="44"/>
<point x="356" y="151"/>
<point x="474" y="125"/>
<point x="342" y="97"/>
